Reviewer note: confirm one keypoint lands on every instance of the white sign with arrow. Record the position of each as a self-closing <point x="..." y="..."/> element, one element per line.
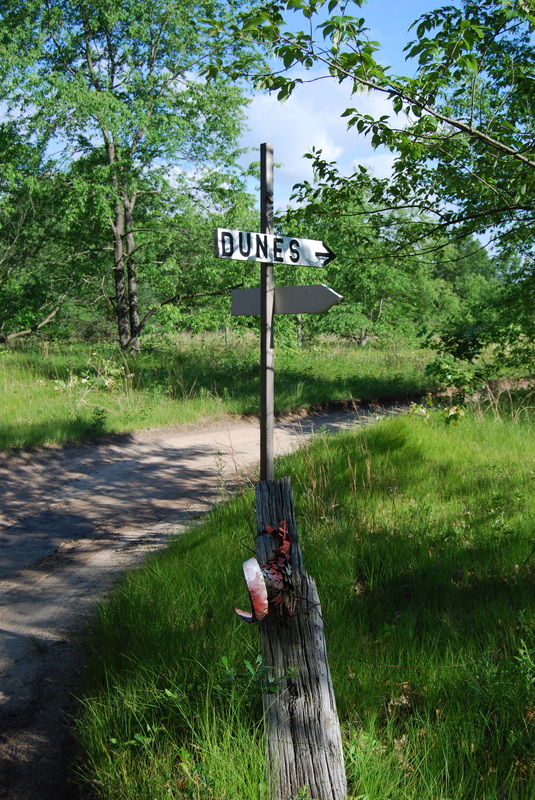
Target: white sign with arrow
<point x="270" y="249"/>
<point x="288" y="300"/>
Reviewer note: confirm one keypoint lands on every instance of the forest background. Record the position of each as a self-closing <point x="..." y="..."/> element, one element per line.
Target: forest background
<point x="120" y="144"/>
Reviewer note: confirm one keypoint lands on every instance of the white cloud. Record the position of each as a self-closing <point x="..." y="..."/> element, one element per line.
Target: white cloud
<point x="379" y="164"/>
<point x="311" y="117"/>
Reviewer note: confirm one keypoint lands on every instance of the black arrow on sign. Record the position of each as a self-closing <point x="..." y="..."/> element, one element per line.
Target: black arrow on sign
<point x="328" y="255"/>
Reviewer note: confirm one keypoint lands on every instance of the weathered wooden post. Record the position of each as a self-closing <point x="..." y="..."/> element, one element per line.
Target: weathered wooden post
<point x="304" y="748"/>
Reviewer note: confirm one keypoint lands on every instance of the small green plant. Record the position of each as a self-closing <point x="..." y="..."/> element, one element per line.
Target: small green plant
<point x="419" y="410"/>
<point x="526" y="664"/>
<point x="454" y="414"/>
<point x="447" y="371"/>
<point x="303" y="793"/>
<point x="254" y="679"/>
<point x="145" y="739"/>
<point x="38" y="645"/>
<point x="98" y="419"/>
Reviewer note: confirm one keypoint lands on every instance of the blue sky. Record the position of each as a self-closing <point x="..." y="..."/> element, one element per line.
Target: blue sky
<point x="311" y="116"/>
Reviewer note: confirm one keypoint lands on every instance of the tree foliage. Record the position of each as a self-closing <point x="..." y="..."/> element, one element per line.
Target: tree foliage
<point x="123" y="160"/>
<point x="37" y="257"/>
<point x="462" y="126"/>
<point x="115" y="89"/>
<point x="435" y="286"/>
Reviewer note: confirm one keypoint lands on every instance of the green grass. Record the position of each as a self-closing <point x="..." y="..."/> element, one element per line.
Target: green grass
<point x="51" y="394"/>
<point x="420" y="536"/>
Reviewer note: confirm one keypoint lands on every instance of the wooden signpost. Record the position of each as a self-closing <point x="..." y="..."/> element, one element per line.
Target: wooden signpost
<point x="303" y="740"/>
<point x="304" y="749"/>
<point x="267" y="302"/>
<point x="268" y="249"/>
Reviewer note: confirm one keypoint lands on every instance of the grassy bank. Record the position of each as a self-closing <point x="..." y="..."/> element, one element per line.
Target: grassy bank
<point x="420" y="537"/>
<point x="50" y="394"/>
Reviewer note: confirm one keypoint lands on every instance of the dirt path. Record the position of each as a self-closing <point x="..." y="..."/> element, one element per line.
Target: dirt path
<point x="73" y="519"/>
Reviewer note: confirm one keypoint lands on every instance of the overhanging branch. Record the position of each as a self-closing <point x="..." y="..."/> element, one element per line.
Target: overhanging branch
<point x="391" y="90"/>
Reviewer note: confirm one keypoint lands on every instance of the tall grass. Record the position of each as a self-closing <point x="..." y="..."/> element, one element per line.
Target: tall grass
<point x="51" y="393"/>
<point x="433" y="635"/>
<point x="420" y="536"/>
<point x="171" y="708"/>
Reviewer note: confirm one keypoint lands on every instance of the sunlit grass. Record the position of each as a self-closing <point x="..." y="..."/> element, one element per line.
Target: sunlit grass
<point x="51" y="394"/>
<point x="420" y="537"/>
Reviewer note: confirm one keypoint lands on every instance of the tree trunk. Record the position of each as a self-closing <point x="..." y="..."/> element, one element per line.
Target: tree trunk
<point x="118" y="230"/>
<point x="121" y="305"/>
<point x="304" y="748"/>
<point x="133" y="307"/>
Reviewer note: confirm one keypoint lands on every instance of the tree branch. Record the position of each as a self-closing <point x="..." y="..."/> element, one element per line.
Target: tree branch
<point x="392" y="90"/>
<point x="49" y="317"/>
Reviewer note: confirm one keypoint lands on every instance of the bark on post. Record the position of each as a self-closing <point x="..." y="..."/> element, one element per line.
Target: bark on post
<point x="304" y="748"/>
